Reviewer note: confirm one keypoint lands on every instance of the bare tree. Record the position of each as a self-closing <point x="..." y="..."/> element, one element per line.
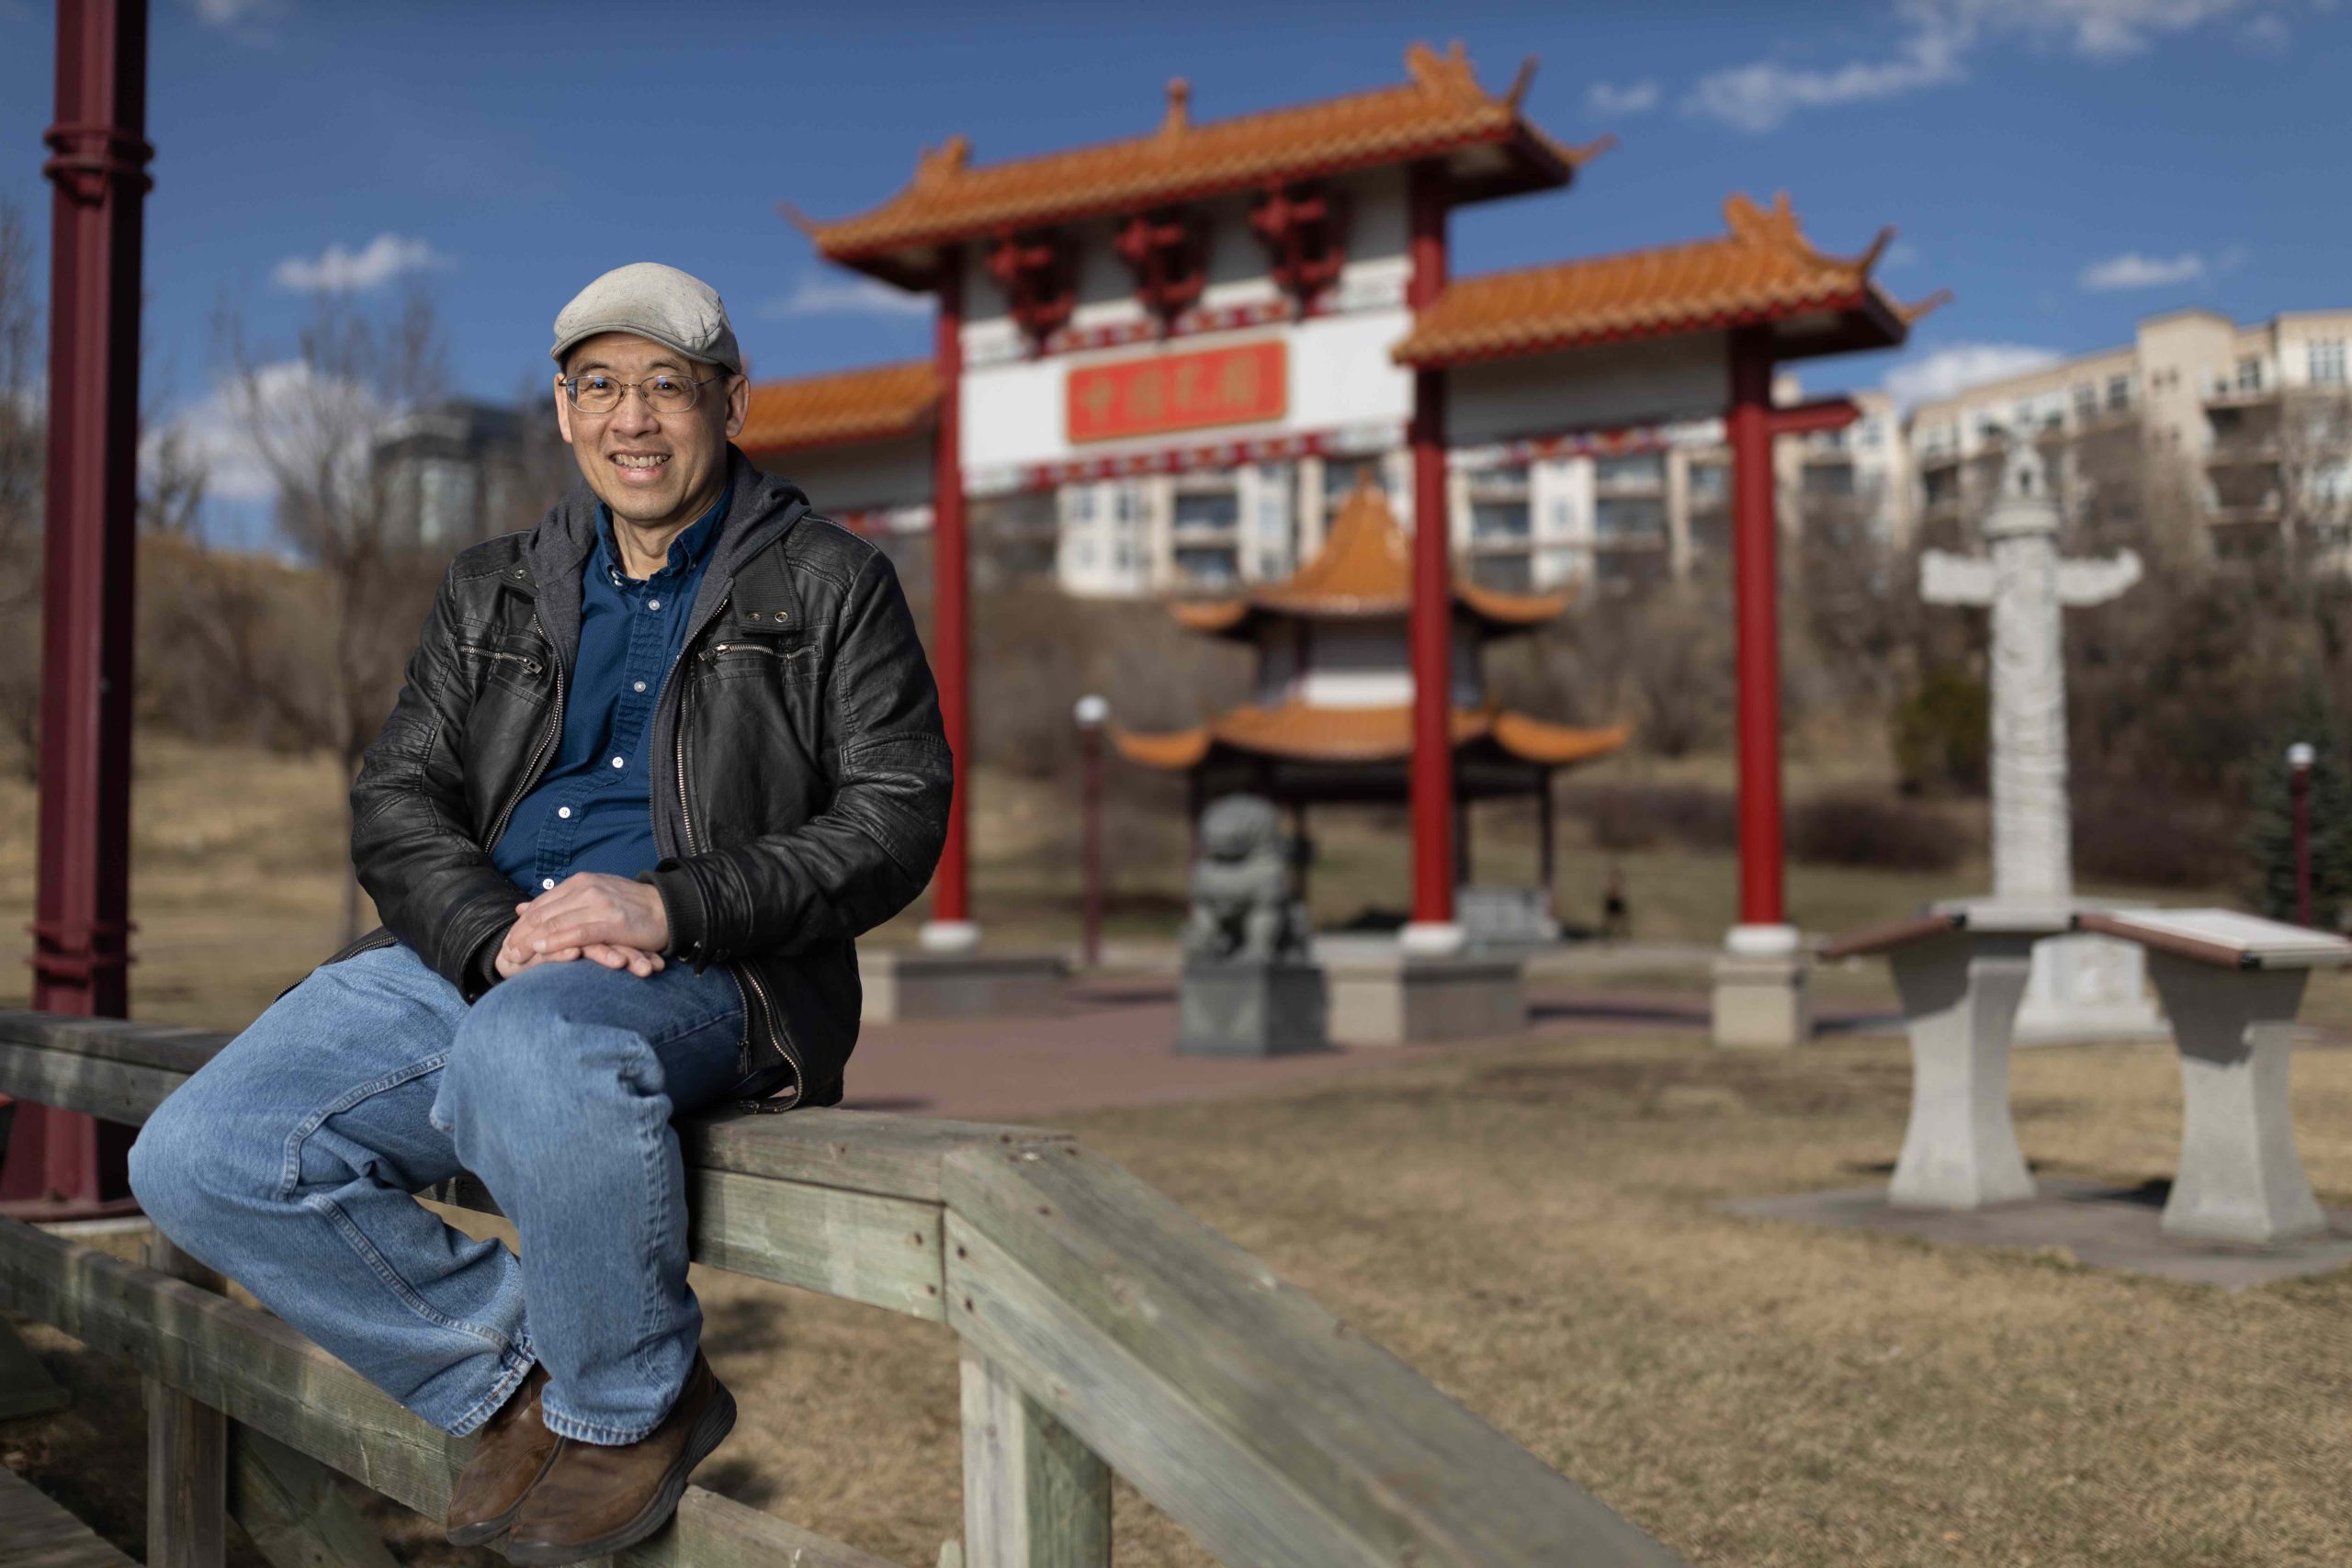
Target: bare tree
<point x="329" y="671"/>
<point x="23" y="441"/>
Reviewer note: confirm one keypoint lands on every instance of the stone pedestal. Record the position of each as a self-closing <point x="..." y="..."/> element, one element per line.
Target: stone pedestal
<point x="1960" y="1000"/>
<point x="1245" y="1007"/>
<point x="912" y="983"/>
<point x="1762" y="1001"/>
<point x="1402" y="999"/>
<point x="2239" y="1179"/>
<point x="2088" y="987"/>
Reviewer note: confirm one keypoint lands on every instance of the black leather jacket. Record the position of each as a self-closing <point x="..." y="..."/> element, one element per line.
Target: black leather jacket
<point x="800" y="779"/>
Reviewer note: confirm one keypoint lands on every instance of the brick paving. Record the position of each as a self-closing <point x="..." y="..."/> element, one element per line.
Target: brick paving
<point x="1109" y="1044"/>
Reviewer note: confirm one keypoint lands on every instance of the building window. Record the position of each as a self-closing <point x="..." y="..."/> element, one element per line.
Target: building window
<point x="1499" y="522"/>
<point x="2249" y="374"/>
<point x="2086" y="400"/>
<point x="1207" y="511"/>
<point x="1208" y="565"/>
<point x="1868" y="434"/>
<point x="2119" y="393"/>
<point x="2327" y="362"/>
<point x="1628" y="520"/>
<point x="1638" y="471"/>
<point x="1342" y="474"/>
<point x="1710" y="483"/>
<point x="1080" y="506"/>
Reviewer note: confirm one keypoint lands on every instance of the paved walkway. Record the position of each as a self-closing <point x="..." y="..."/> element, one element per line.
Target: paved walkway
<point x="1109" y="1045"/>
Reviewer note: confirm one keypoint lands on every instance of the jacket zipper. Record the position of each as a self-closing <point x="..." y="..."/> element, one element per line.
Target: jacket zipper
<point x="538" y="757"/>
<point x="741" y="972"/>
<point x="529" y="664"/>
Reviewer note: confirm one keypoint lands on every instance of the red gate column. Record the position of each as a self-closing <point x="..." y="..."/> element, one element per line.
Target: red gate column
<point x="1760" y="989"/>
<point x="1755" y="552"/>
<point x="1432" y="927"/>
<point x="62" y="1164"/>
<point x="950" y="926"/>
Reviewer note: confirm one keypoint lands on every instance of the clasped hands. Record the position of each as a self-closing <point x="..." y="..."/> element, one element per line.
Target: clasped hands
<point x="607" y="919"/>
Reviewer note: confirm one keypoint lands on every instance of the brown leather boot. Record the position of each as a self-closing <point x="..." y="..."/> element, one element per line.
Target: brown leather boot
<point x="515" y="1450"/>
<point x="597" y="1498"/>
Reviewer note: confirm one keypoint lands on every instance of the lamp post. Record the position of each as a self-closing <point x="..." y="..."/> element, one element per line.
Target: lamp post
<point x="2300" y="757"/>
<point x="1091" y="713"/>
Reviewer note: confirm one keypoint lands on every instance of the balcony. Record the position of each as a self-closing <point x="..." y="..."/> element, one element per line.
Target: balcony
<point x="2242" y="514"/>
<point x="2243" y="453"/>
<point x="2230" y="394"/>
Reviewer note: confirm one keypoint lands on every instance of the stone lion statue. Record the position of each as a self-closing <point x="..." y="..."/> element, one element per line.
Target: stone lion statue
<point x="1242" y="906"/>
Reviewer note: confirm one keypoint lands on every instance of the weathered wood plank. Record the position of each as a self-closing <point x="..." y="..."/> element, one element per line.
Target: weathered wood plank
<point x="882" y="1251"/>
<point x="118" y="1092"/>
<point x="122" y="1070"/>
<point x="1035" y="1496"/>
<point x="871" y="1152"/>
<point x="37" y="1533"/>
<point x="1106" y="1293"/>
<point x="263" y="1374"/>
<point x="188" y="1451"/>
<point x="26" y="1387"/>
<point x="292" y="1509"/>
<point x="167" y="1046"/>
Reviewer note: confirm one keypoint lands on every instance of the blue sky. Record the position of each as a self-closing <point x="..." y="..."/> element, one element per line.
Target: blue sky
<point x="2064" y="166"/>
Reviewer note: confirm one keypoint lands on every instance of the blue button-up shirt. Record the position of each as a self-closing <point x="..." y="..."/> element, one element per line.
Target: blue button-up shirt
<point x="592" y="810"/>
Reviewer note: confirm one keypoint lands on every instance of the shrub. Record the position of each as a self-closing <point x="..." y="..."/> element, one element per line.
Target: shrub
<point x="1852" y="829"/>
<point x="1942" y="732"/>
<point x="1635" y="817"/>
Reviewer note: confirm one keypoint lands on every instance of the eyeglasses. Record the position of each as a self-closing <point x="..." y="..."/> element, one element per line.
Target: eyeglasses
<point x="669" y="392"/>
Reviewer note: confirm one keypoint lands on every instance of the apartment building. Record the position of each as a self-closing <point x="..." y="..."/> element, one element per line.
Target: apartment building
<point x="2244" y="429"/>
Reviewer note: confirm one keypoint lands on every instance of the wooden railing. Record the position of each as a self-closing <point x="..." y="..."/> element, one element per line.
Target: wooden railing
<point x="1103" y="1329"/>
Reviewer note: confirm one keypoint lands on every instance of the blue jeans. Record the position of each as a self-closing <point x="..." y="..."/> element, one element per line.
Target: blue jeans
<point x="289" y="1160"/>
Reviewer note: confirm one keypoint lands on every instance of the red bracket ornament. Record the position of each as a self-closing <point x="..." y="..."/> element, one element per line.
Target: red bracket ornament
<point x="1168" y="253"/>
<point x="1039" y="276"/>
<point x="1304" y="231"/>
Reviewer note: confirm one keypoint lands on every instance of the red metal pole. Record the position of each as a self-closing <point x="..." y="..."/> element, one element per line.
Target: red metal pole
<point x="1089" y="745"/>
<point x="62" y="1164"/>
<point x="951" y="651"/>
<point x="1432" y="609"/>
<point x="1755" y="546"/>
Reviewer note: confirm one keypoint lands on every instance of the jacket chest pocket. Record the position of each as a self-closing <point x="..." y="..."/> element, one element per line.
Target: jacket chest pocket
<point x="518" y="663"/>
<point x="738" y="656"/>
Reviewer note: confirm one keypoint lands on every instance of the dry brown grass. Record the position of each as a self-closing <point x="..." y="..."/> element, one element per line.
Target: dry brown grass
<point x="1537" y="1229"/>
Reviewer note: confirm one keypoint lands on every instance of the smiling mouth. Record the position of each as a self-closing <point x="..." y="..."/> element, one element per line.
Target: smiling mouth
<point x="640" y="462"/>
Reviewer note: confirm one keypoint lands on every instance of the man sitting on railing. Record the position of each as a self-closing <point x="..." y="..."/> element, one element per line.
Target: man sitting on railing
<point x="657" y="763"/>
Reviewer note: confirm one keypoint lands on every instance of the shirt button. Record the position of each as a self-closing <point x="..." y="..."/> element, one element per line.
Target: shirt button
<point x="548" y="882"/>
<point x="653" y="604"/>
<point x="620" y="762"/>
<point x="640" y="685"/>
<point x="563" y="811"/>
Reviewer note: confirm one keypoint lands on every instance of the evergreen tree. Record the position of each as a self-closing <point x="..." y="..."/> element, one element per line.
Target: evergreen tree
<point x="2271" y="833"/>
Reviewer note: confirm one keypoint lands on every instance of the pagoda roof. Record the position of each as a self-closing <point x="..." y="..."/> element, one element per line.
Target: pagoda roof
<point x="1363" y="572"/>
<point x="1440" y="113"/>
<point x="1763" y="271"/>
<point x="842" y="408"/>
<point x="1295" y="732"/>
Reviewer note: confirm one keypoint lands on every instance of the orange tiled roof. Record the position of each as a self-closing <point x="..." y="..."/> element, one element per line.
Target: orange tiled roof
<point x="1294" y="732"/>
<point x="838" y="408"/>
<point x="1441" y="110"/>
<point x="1762" y="270"/>
<point x="1364" y="570"/>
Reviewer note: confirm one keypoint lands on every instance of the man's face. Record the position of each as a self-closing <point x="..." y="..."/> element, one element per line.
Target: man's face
<point x="654" y="470"/>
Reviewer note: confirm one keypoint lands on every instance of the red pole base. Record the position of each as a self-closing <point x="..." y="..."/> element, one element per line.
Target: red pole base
<point x="63" y="1165"/>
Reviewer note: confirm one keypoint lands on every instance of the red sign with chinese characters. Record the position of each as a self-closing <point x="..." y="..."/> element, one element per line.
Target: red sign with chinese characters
<point x="1248" y="384"/>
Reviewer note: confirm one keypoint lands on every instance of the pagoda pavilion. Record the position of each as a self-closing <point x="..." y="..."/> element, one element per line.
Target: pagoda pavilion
<point x="1333" y="716"/>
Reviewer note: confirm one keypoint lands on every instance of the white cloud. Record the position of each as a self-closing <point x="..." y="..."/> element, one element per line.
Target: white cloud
<point x="230" y="13"/>
<point x="830" y="294"/>
<point x="1902" y="252"/>
<point x="1939" y="36"/>
<point x="1609" y="100"/>
<point x="2133" y="270"/>
<point x="296" y="409"/>
<point x="338" y="271"/>
<point x="1943" y="371"/>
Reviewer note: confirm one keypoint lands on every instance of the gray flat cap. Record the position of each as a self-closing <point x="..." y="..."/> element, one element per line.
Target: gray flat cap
<point x="674" y="309"/>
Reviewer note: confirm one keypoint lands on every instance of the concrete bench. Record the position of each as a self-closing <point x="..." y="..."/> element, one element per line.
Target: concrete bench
<point x="1961" y="970"/>
<point x="2232" y="985"/>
